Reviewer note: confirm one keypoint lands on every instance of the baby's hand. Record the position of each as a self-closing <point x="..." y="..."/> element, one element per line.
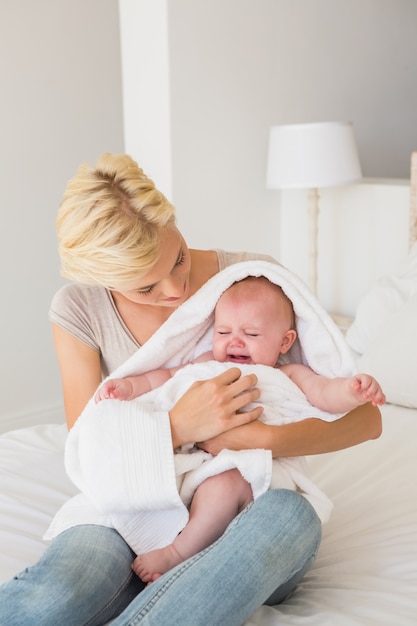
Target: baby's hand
<point x="114" y="389"/>
<point x="367" y="389"/>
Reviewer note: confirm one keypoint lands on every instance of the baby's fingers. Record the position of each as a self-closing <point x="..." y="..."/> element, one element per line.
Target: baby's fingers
<point x="378" y="397"/>
<point x="373" y="391"/>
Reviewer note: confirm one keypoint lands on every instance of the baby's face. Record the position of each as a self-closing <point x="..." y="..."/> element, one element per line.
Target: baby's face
<point x="252" y="326"/>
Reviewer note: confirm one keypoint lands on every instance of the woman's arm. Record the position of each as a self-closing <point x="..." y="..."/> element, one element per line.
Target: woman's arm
<point x="309" y="436"/>
<point x="80" y="372"/>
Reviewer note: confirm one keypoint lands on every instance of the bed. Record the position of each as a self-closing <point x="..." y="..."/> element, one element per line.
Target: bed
<point x="366" y="569"/>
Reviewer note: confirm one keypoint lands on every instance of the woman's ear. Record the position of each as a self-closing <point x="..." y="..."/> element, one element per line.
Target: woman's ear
<point x="288" y="340"/>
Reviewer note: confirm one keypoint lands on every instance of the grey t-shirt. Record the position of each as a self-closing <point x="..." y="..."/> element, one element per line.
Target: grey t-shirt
<point x="89" y="313"/>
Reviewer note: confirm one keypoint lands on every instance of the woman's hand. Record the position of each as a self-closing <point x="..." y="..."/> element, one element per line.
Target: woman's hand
<point x="213" y="406"/>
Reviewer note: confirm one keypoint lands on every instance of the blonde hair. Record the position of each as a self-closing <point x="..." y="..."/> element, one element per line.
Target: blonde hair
<point x="110" y="223"/>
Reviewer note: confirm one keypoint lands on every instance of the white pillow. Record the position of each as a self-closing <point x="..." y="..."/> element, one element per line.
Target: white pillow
<point x="376" y="308"/>
<point x="373" y="312"/>
<point x="391" y="356"/>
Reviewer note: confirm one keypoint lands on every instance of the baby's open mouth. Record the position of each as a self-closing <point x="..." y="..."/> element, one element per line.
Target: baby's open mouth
<point x="238" y="358"/>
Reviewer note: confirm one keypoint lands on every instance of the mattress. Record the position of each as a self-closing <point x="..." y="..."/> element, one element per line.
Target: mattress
<point x="366" y="568"/>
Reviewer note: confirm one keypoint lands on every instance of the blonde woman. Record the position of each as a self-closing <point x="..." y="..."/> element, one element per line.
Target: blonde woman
<point x="132" y="268"/>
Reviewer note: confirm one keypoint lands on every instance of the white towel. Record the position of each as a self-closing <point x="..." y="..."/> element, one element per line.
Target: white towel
<point x="283" y="403"/>
<point x="187" y="332"/>
<point x="120" y="455"/>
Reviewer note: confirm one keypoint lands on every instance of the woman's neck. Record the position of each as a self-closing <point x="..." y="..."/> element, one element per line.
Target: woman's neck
<point x="144" y="320"/>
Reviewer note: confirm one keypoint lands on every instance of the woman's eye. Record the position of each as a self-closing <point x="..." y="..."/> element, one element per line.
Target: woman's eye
<point x="181" y="259"/>
<point x="146" y="292"/>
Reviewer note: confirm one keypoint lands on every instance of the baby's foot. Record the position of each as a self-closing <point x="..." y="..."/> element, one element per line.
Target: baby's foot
<point x="151" y="565"/>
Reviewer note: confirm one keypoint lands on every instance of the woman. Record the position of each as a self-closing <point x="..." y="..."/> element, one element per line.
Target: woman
<point x="119" y="242"/>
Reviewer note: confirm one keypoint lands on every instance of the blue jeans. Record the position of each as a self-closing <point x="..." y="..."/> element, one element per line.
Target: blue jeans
<point x="84" y="576"/>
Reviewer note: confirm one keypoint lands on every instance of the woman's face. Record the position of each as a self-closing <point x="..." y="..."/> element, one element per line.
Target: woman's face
<point x="167" y="283"/>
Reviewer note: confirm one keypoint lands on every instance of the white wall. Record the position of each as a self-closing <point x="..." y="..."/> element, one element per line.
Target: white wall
<point x="362" y="235"/>
<point x="236" y="67"/>
<point x="146" y="93"/>
<point x="60" y="104"/>
<point x="203" y="81"/>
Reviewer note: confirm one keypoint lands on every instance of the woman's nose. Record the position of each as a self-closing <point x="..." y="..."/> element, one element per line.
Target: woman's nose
<point x="173" y="287"/>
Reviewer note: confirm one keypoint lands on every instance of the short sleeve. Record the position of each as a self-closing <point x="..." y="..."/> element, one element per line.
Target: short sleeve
<point x="69" y="310"/>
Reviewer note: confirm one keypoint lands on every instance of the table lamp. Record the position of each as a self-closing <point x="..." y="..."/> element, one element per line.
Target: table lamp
<point x="310" y="156"/>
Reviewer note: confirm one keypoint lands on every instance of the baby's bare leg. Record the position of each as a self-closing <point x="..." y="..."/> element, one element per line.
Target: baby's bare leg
<point x="215" y="503"/>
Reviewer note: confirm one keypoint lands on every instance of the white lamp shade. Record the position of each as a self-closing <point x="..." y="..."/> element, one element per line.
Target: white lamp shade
<point x="312" y="156"/>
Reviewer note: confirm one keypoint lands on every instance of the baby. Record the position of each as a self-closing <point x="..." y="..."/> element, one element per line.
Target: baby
<point x="254" y="324"/>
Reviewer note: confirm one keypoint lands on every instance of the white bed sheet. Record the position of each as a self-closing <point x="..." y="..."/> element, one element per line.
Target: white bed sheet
<point x="366" y="569"/>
